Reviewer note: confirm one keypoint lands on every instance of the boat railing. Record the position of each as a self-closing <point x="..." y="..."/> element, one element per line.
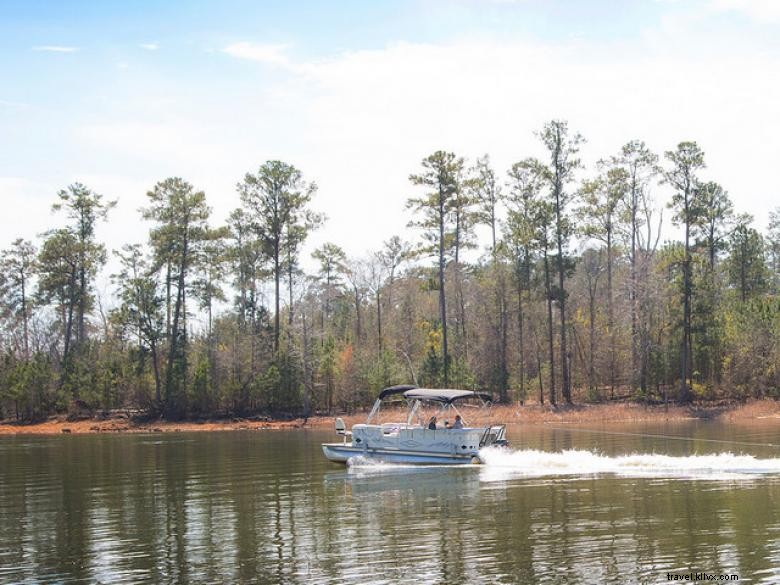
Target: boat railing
<point x="493" y="435"/>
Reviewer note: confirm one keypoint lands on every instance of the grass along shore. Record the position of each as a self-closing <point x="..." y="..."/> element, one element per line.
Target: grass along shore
<point x="527" y="414"/>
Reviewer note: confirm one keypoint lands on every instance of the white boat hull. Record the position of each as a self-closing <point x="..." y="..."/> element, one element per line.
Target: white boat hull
<point x="342" y="452"/>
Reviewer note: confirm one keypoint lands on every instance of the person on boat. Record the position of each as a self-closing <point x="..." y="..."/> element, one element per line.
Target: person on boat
<point x="458" y="424"/>
<point x="432" y="423"/>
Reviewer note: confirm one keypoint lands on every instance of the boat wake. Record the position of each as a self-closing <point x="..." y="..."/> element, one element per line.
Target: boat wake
<point x="360" y="464"/>
<point x="505" y="464"/>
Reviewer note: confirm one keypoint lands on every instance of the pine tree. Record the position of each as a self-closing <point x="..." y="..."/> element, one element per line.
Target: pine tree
<point x="441" y="174"/>
<point x="563" y="150"/>
<point x="686" y="160"/>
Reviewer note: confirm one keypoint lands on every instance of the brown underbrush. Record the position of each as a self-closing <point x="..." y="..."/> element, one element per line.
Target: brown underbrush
<point x="525" y="414"/>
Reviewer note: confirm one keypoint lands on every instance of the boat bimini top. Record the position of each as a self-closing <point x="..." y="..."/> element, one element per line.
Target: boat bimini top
<point x="414" y="396"/>
<point x="393" y="390"/>
<point x="445" y="396"/>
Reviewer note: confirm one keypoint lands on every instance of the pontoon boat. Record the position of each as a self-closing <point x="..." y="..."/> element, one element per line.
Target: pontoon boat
<point x="412" y="441"/>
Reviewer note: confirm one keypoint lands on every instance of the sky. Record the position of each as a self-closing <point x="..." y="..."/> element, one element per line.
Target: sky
<point x="119" y="95"/>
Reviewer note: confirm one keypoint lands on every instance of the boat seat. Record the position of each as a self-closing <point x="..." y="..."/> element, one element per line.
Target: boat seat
<point x="341" y="428"/>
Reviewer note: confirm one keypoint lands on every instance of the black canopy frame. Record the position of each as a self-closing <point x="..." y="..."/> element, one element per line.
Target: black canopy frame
<point x="445" y="396"/>
<point x="415" y="396"/>
<point x="393" y="390"/>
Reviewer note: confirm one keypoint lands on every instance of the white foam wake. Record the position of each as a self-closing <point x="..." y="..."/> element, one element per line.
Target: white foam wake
<point x="503" y="463"/>
<point x="359" y="463"/>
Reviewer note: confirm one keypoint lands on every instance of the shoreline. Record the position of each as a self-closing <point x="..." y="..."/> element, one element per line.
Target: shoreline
<point x="765" y="409"/>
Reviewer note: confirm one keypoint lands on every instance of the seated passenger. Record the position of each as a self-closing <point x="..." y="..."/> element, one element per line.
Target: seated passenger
<point x="447" y="424"/>
<point x="432" y="423"/>
<point x="458" y="424"/>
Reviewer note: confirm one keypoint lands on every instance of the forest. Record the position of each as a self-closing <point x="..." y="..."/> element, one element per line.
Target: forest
<point x="574" y="293"/>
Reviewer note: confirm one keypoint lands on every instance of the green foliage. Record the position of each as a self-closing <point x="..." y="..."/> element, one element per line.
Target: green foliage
<point x="714" y="214"/>
<point x="432" y="369"/>
<point x="529" y="217"/>
<point x="601" y="198"/>
<point x="444" y="220"/>
<point x="484" y="190"/>
<point x="269" y="385"/>
<point x="17" y="268"/>
<point x="752" y="346"/>
<point x="82" y="255"/>
<point x="194" y="327"/>
<point x="27" y="387"/>
<point x="179" y="240"/>
<point x="441" y="174"/>
<point x="276" y="199"/>
<point x="332" y="264"/>
<point x="327" y="371"/>
<point x="383" y="371"/>
<point x="685" y="161"/>
<point x="773" y="248"/>
<point x="746" y="265"/>
<point x="286" y="397"/>
<point x="462" y="375"/>
<point x="141" y="312"/>
<point x="563" y="149"/>
<point x="201" y="402"/>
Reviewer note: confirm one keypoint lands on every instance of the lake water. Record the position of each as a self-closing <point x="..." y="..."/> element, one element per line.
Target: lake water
<point x="616" y="504"/>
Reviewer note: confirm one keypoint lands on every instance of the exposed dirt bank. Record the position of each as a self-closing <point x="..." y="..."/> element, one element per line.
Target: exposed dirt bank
<point x="528" y="414"/>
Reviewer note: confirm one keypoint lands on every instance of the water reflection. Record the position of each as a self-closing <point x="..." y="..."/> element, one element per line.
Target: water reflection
<point x="425" y="482"/>
<point x="267" y="507"/>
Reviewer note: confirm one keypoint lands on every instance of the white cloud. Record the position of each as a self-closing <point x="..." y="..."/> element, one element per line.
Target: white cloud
<point x="364" y="119"/>
<point x="359" y="122"/>
<point x="765" y="11"/>
<point x="269" y="54"/>
<point x="55" y="49"/>
<point x="149" y="46"/>
<point x="171" y="141"/>
<point x="27" y="208"/>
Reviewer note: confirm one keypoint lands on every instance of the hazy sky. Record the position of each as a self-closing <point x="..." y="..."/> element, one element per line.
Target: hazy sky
<point x="119" y="95"/>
